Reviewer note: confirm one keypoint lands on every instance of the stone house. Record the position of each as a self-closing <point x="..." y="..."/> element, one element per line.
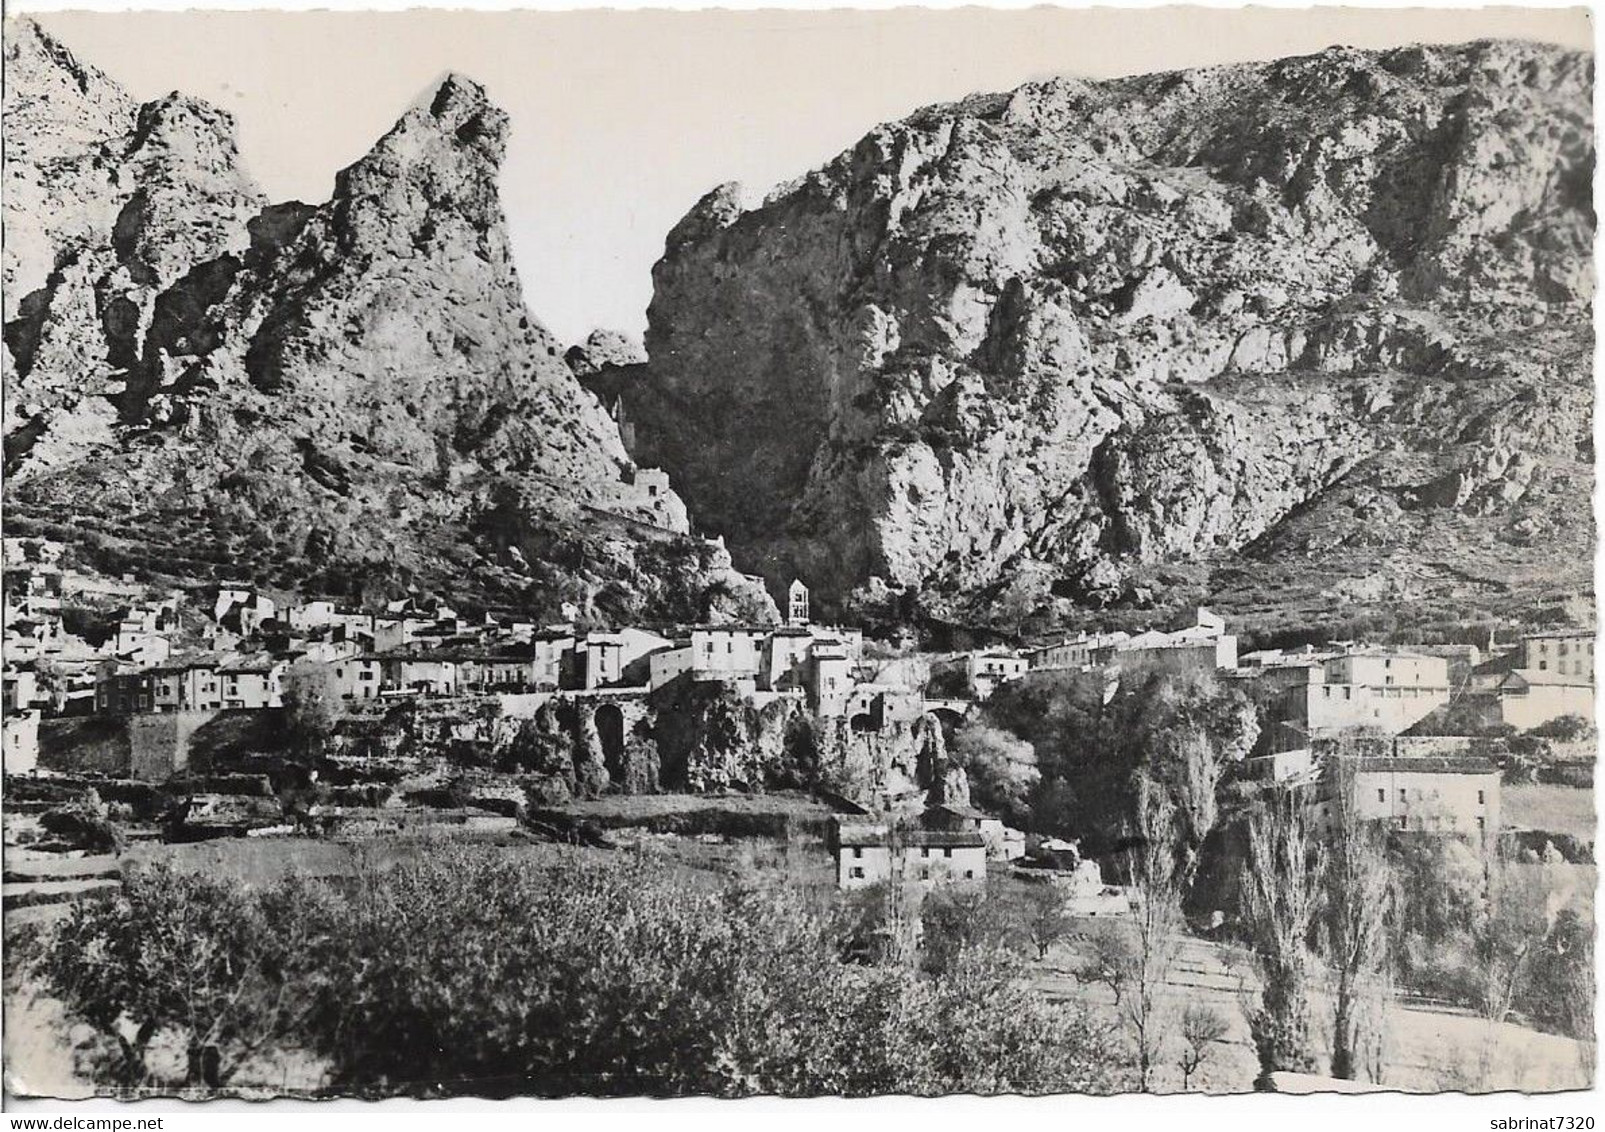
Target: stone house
<point x="252" y="681"/>
<point x="415" y="672"/>
<point x="310" y="615"/>
<point x="21" y="689"/>
<point x="1002" y="843"/>
<point x="830" y="677"/>
<point x="784" y="662"/>
<point x="982" y="671"/>
<point x="876" y="707"/>
<point x="1559" y="656"/>
<point x="1386" y="691"/>
<point x="192" y="684"/>
<point x="28" y="638"/>
<point x="1524" y="701"/>
<point x="1444" y="794"/>
<point x="240" y="609"/>
<point x="121" y="689"/>
<point x="669" y="664"/>
<point x="729" y="652"/>
<point x="355" y="677"/>
<point x="872" y="852"/>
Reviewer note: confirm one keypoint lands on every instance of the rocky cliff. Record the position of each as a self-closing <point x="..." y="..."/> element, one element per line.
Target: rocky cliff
<point x="1300" y="335"/>
<point x="348" y="397"/>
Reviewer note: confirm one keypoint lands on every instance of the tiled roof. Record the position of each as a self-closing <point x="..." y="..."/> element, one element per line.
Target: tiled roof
<point x="876" y="833"/>
<point x="1424" y="764"/>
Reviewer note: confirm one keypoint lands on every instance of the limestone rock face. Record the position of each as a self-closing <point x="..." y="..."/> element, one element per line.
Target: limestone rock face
<point x="1017" y="356"/>
<point x="65" y="122"/>
<point x="603" y="348"/>
<point x="347" y="396"/>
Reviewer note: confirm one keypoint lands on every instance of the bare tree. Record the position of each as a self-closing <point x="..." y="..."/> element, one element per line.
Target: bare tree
<point x="1356" y="905"/>
<point x="1281" y="891"/>
<point x="1201" y="1026"/>
<point x="1156" y="925"/>
<point x="1515" y="928"/>
<point x="1110" y="962"/>
<point x="1045" y="918"/>
<point x="1134" y="957"/>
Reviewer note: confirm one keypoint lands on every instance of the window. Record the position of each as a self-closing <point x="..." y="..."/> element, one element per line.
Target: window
<point x="1401" y="793"/>
<point x="1382" y="795"/>
<point x="1481" y="800"/>
<point x="858" y="851"/>
<point x="1479" y="822"/>
<point x="1403" y="823"/>
<point x="1542" y="665"/>
<point x="856" y="873"/>
<point x="969" y="874"/>
<point x="947" y="852"/>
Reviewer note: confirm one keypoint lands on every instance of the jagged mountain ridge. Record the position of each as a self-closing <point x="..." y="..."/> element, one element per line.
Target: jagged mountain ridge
<point x="347" y="397"/>
<point x="1321" y="320"/>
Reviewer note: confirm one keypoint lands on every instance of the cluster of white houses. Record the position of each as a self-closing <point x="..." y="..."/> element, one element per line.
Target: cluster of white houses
<point x="412" y="648"/>
<point x="1316" y="697"/>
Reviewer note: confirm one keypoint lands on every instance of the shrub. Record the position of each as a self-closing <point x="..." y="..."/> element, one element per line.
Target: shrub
<point x="85" y="828"/>
<point x="472" y="972"/>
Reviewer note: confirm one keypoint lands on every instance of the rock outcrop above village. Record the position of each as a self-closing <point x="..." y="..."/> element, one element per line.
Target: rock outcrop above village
<point x="1299" y="334"/>
<point x="348" y="396"/>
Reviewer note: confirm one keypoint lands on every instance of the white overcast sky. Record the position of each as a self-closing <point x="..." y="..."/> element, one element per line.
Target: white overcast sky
<point x="621" y="120"/>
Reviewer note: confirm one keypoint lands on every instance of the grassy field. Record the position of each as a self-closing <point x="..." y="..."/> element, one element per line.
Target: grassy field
<point x="1554" y="809"/>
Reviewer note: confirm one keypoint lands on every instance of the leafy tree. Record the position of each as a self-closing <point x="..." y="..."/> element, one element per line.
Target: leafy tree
<point x="310" y="710"/>
<point x="191" y="959"/>
<point x="1560" y="985"/>
<point x="470" y="971"/>
<point x="960" y="918"/>
<point x="1565" y="728"/>
<point x="1097" y="734"/>
<point x="1002" y="768"/>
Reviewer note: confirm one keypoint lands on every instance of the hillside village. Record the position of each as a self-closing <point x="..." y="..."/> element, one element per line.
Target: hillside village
<point x="1412" y="723"/>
